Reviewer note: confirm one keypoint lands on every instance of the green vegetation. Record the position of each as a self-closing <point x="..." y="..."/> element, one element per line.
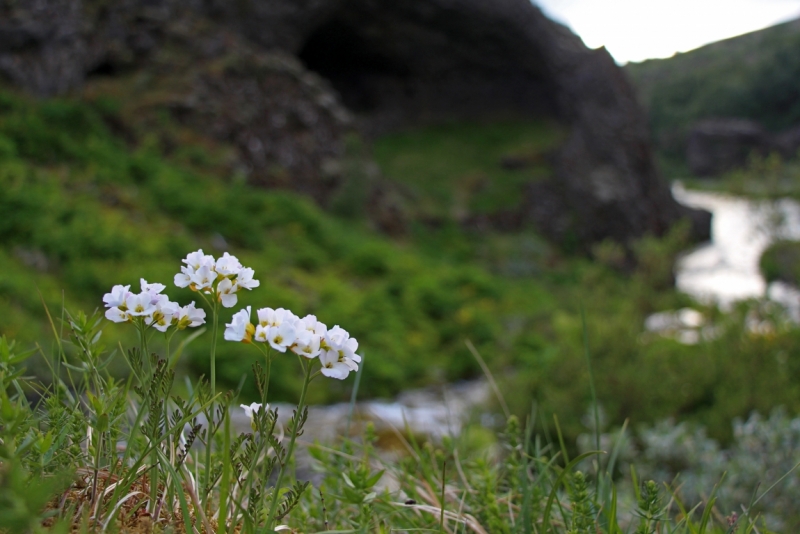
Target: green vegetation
<point x="90" y="200"/>
<point x="453" y="171"/>
<point x="752" y="76"/>
<point x="61" y="469"/>
<point x="781" y="261"/>
<point x="763" y="178"/>
<point x="94" y="194"/>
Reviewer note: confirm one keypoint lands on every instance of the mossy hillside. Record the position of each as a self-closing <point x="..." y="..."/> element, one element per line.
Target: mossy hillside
<point x="752" y="76"/>
<point x="89" y="201"/>
<point x="454" y="170"/>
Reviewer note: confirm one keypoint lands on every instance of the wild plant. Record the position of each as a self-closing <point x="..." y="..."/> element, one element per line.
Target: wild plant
<point x="90" y="452"/>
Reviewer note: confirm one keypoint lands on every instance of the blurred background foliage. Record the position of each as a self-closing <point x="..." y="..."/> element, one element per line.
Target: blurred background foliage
<point x="89" y="199"/>
<point x="752" y="76"/>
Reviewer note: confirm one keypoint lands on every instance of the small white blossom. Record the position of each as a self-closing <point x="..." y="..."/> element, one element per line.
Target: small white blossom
<point x="184" y="278"/>
<point x="310" y="323"/>
<point x="202" y="279"/>
<point x="195" y="260"/>
<point x="118" y="315"/>
<point x="240" y="329"/>
<point x="245" y="279"/>
<point x="307" y="344"/>
<point x="226" y="293"/>
<point x="117" y="297"/>
<point x="141" y="305"/>
<point x="281" y="337"/>
<point x="261" y="333"/>
<point x="339" y="353"/>
<point x="270" y="317"/>
<point x="153" y="289"/>
<point x="161" y="318"/>
<point x="251" y="410"/>
<point x="310" y="333"/>
<point x="189" y="315"/>
<point x="332" y="367"/>
<point x="228" y="265"/>
<point x="202" y="272"/>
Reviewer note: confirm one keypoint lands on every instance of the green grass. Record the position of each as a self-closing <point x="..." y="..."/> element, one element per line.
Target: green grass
<point x="455" y="170"/>
<point x="58" y="454"/>
<point x="781" y="261"/>
<point x="86" y="208"/>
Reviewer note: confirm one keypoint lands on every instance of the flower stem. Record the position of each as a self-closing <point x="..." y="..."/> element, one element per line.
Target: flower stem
<point x="214" y="330"/>
<point x="295" y="424"/>
<point x="210" y="413"/>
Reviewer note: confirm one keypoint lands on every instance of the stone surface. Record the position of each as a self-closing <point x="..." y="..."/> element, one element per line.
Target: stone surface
<point x="393" y="64"/>
<point x="716" y="146"/>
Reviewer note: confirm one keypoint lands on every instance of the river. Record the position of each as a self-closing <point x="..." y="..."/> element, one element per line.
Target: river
<point x="726" y="269"/>
<point x="722" y="271"/>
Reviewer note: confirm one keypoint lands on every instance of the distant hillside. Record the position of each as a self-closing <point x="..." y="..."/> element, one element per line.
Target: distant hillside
<point x="755" y="76"/>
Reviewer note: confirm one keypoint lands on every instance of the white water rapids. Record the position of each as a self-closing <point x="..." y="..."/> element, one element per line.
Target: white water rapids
<point x="726" y="269"/>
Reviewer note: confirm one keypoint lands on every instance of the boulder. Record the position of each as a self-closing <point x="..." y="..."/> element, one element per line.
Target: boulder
<point x="716" y="146"/>
<point x="392" y="64"/>
<point x="787" y="142"/>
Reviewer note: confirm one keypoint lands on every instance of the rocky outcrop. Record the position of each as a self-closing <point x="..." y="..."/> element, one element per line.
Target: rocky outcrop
<point x="716" y="146"/>
<point x="392" y="64"/>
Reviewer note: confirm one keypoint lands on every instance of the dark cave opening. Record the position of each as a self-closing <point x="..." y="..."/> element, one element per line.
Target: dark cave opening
<point x="350" y="63"/>
<point x="104" y="68"/>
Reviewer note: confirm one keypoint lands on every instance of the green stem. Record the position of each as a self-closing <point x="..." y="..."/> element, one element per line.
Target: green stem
<point x="210" y="413"/>
<point x="268" y="353"/>
<point x="214" y="330"/>
<point x="295" y="423"/>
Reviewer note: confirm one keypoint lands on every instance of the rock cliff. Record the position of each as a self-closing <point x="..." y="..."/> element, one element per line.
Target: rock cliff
<point x="285" y="80"/>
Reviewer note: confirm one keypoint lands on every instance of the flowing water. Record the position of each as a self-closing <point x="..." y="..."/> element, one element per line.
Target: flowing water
<point x="722" y="271"/>
<point x="726" y="269"/>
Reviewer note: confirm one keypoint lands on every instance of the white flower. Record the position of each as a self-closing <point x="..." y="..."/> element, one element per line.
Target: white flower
<point x="161" y="318"/>
<point x="310" y="333"/>
<point x="339" y="340"/>
<point x="117" y="315"/>
<point x="339" y="353"/>
<point x="141" y="305"/>
<point x="202" y="278"/>
<point x="202" y="272"/>
<point x="197" y="259"/>
<point x="261" y="333"/>
<point x="117" y="297"/>
<point x="228" y="265"/>
<point x="184" y="278"/>
<point x="281" y="337"/>
<point x="226" y="293"/>
<point x="245" y="279"/>
<point x="153" y="289"/>
<point x="251" y="410"/>
<point x="240" y="329"/>
<point x="270" y="317"/>
<point x="189" y="315"/>
<point x="266" y="317"/>
<point x="307" y="344"/>
<point x="310" y="323"/>
<point x="332" y="367"/>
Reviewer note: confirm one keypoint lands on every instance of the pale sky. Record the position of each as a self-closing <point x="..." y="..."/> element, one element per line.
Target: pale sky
<point x="634" y="30"/>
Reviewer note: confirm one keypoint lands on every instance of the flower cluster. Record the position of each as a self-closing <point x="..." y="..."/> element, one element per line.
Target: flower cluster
<point x="306" y="337"/>
<point x="202" y="272"/>
<point x="155" y="309"/>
